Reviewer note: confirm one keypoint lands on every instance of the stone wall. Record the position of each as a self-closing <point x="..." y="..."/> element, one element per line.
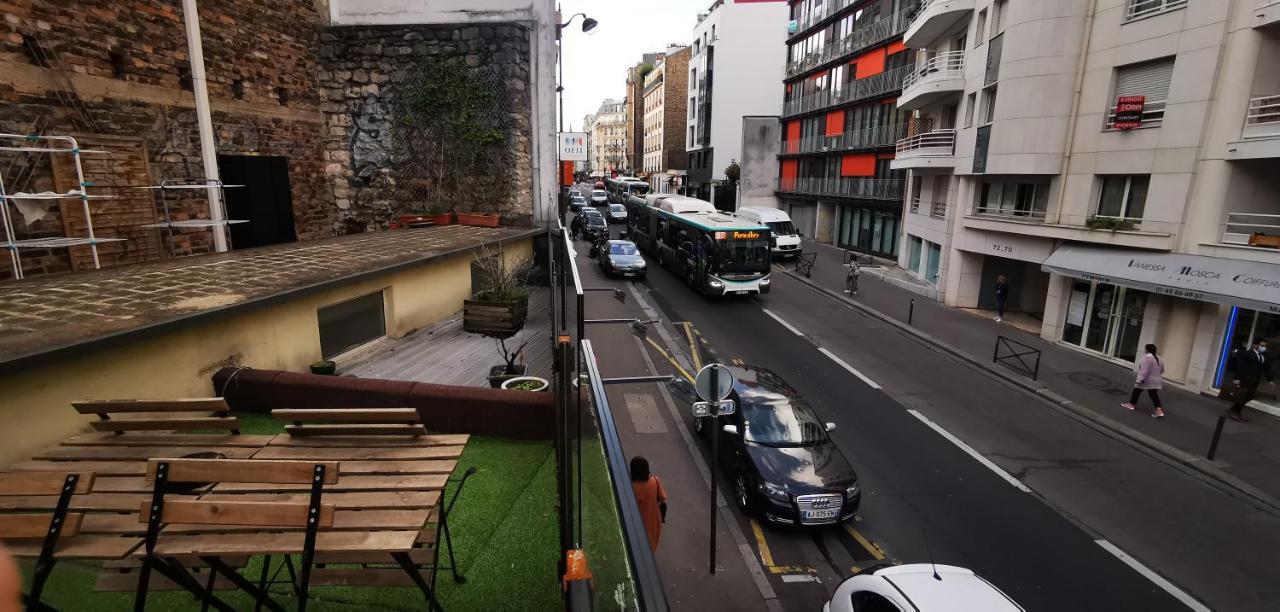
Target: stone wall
<point x="118" y="69"/>
<point x="368" y="75"/>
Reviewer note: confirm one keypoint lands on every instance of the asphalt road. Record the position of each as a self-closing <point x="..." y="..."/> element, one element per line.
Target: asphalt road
<point x="924" y="497"/>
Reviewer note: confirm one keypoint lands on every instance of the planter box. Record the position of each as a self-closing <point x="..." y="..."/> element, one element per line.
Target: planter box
<point x="442" y="218"/>
<point x="500" y="374"/>
<point x="1263" y="240"/>
<point x="494" y="319"/>
<point x="478" y="219"/>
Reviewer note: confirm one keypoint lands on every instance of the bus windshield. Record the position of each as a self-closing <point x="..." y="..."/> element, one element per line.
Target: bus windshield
<point x="742" y="256"/>
<point x="638" y="188"/>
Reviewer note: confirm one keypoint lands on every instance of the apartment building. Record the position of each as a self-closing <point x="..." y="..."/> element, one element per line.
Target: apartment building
<point x="727" y="42"/>
<point x="1114" y="159"/>
<point x="609" y="138"/>
<point x="635" y="109"/>
<point x="845" y="66"/>
<point x="664" y="109"/>
<point x="588" y="128"/>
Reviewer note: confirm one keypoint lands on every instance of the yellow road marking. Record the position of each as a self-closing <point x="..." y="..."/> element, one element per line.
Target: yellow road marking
<point x="737" y="362"/>
<point x="853" y="569"/>
<point x="791" y="569"/>
<point x="669" y="358"/>
<point x="765" y="555"/>
<point x="871" y="548"/>
<point x="693" y="346"/>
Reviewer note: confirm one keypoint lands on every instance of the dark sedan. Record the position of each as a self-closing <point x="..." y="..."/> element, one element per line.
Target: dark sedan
<point x="621" y="258"/>
<point x="777" y="454"/>
<point x="594" y="227"/>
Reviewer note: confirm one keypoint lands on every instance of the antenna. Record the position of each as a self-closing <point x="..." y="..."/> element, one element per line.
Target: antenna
<point x="929" y="550"/>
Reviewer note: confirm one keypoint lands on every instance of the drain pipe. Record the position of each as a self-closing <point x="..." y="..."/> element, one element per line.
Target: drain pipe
<point x="1075" y="110"/>
<point x="208" y="152"/>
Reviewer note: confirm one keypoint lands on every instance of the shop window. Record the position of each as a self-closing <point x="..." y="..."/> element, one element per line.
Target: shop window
<point x="346" y="325"/>
<point x="1123" y="196"/>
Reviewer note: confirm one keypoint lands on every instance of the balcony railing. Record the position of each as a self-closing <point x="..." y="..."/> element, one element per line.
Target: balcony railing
<point x="915" y="204"/>
<point x="1152" y="114"/>
<point x="938" y="143"/>
<point x="845" y="187"/>
<point x="1252" y="229"/>
<point x="1015" y="213"/>
<point x="1137" y="9"/>
<point x="852" y="91"/>
<point x="1263" y="117"/>
<point x="869" y="138"/>
<point x="947" y="65"/>
<point x="939" y="209"/>
<point x="863" y="36"/>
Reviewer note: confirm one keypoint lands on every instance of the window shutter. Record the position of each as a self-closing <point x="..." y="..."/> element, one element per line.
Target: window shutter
<point x="1150" y="79"/>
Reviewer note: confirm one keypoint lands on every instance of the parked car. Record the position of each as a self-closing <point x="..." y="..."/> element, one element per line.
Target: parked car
<point x="777" y="454"/>
<point x="918" y="587"/>
<point x="784" y="241"/>
<point x="622" y="258"/>
<point x="594" y="226"/>
<point x="599" y="197"/>
<point x="617" y="213"/>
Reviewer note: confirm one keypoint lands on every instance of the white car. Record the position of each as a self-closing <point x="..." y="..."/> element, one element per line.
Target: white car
<point x="785" y="241"/>
<point x="919" y="587"/>
<point x="599" y="197"/>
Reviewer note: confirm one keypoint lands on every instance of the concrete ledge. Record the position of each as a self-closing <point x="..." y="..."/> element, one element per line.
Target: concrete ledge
<point x="1177" y="457"/>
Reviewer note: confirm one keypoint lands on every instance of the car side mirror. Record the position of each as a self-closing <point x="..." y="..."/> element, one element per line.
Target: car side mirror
<point x="831" y="426"/>
<point x="731" y="430"/>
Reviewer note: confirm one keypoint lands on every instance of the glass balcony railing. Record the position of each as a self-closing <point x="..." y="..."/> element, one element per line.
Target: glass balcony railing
<point x="852" y="91"/>
<point x="870" y="138"/>
<point x="845" y="187"/>
<point x="863" y="36"/>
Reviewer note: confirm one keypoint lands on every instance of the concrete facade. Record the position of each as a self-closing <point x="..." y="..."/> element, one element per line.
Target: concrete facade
<point x="1021" y="157"/>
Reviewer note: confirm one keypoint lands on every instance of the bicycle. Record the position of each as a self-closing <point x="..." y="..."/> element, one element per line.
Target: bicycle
<point x="851" y="279"/>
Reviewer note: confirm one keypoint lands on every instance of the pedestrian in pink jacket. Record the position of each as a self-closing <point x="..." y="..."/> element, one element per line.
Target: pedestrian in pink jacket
<point x="1151" y="378"/>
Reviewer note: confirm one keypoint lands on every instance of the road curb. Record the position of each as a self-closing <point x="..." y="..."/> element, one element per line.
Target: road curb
<point x="1166" y="451"/>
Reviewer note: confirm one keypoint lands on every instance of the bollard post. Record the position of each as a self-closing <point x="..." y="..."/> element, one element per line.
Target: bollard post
<point x="1217" y="434"/>
<point x="911" y="311"/>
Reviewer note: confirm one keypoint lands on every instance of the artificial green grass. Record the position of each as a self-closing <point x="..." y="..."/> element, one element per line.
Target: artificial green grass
<point x="602" y="534"/>
<point x="504" y="535"/>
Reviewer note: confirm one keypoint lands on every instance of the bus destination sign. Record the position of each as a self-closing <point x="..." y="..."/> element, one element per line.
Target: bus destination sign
<point x="738" y="235"/>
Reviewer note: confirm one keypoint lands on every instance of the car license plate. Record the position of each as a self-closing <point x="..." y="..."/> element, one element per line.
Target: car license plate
<point x="740" y="292"/>
<point x="811" y="515"/>
<point x="629" y="274"/>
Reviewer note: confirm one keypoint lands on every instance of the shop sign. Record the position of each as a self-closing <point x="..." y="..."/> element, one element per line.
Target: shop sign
<point x="1129" y="112"/>
<point x="573" y="146"/>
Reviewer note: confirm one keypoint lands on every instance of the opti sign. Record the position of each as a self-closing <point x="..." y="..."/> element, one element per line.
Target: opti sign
<point x="573" y="146"/>
<point x="1129" y="112"/>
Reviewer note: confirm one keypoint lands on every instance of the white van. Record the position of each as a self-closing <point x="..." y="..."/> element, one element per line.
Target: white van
<point x="786" y="242"/>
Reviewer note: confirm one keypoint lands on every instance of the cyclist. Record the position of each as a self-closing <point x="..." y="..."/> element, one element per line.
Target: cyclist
<point x="851" y="279"/>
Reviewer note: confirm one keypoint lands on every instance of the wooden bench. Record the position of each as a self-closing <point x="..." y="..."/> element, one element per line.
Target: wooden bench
<point x="160" y="415"/>
<point x="351" y="421"/>
<point x="55" y="534"/>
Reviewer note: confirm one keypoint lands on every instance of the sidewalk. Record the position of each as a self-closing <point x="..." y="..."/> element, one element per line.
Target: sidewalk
<point x="1248" y="459"/>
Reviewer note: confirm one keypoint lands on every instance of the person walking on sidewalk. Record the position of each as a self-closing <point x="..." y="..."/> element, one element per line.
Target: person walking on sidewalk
<point x="1002" y="296"/>
<point x="650" y="497"/>
<point x="1248" y="368"/>
<point x="851" y="279"/>
<point x="1151" y="378"/>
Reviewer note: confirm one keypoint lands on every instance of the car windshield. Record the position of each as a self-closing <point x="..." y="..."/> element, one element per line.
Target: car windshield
<point x="624" y="248"/>
<point x="617" y="208"/>
<point x="598" y="194"/>
<point x="782" y="228"/>
<point x="595" y="220"/>
<point x="775" y="420"/>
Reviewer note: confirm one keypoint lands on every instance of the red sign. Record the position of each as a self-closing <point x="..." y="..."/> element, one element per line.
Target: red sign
<point x="1129" y="112"/>
<point x="566" y="173"/>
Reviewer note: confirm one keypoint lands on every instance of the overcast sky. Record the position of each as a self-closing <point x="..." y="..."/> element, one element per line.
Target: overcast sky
<point x="595" y="63"/>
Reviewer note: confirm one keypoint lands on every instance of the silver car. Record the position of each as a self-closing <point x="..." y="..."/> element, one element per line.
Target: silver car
<point x="617" y="213"/>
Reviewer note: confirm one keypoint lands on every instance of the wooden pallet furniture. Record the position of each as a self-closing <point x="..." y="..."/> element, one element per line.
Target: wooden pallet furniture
<point x="137" y="415"/>
<point x="351" y="421"/>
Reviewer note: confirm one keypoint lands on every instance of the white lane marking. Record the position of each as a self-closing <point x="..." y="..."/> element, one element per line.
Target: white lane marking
<point x="777" y="318"/>
<point x="852" y="370"/>
<point x="1159" y="580"/>
<point x="800" y="578"/>
<point x="972" y="453"/>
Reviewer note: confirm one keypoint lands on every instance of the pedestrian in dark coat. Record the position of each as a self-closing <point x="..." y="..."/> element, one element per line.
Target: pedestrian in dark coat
<point x="1002" y="296"/>
<point x="1248" y="369"/>
<point x="1150" y="378"/>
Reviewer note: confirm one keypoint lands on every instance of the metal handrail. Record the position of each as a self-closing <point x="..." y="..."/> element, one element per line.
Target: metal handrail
<point x="947" y="65"/>
<point x="872" y="137"/>
<point x="1241" y="227"/>
<point x="1011" y="213"/>
<point x="1263" y="110"/>
<point x="937" y="143"/>
<point x="915" y="204"/>
<point x="852" y="91"/>
<point x="850" y="187"/>
<point x="1137" y="9"/>
<point x="1152" y="112"/>
<point x="939" y="209"/>
<point x="854" y="41"/>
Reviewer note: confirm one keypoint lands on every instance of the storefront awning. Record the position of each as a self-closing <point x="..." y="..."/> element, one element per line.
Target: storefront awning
<point x="1236" y="282"/>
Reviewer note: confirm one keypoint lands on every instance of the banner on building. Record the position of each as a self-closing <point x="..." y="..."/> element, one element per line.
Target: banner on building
<point x="573" y="146"/>
<point x="1129" y="112"/>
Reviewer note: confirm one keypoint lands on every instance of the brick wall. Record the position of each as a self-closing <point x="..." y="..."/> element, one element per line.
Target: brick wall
<point x="675" y="109"/>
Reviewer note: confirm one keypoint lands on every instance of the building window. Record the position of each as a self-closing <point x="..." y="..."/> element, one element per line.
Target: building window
<point x="980" y="29"/>
<point x="1026" y="201"/>
<point x="988" y="105"/>
<point x="1123" y="196"/>
<point x="1137" y="9"/>
<point x="970" y="103"/>
<point x="1149" y="80"/>
<point x="998" y="17"/>
<point x="346" y="325"/>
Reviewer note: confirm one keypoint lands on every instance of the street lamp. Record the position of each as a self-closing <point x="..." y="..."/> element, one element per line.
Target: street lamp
<point x="588" y="24"/>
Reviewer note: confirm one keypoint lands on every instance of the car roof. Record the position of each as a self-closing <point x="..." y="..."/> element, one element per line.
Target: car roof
<point x="764" y="214"/>
<point x="959" y="589"/>
<point x="622" y="242"/>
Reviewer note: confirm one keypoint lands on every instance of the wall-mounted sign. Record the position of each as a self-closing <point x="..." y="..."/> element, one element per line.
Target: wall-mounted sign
<point x="1129" y="112"/>
<point x="792" y="26"/>
<point x="573" y="146"/>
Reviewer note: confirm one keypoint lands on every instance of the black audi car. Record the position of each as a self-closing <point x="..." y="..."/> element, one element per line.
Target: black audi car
<point x="776" y="452"/>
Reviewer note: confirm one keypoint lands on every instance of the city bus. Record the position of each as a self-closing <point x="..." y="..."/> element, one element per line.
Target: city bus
<point x="624" y="187"/>
<point x="713" y="252"/>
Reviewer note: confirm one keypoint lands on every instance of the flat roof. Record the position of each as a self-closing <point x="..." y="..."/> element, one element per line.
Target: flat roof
<point x="44" y="317"/>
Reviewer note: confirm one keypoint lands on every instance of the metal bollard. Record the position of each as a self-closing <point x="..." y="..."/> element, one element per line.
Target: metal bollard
<point x="1217" y="434"/>
<point x="911" y="311"/>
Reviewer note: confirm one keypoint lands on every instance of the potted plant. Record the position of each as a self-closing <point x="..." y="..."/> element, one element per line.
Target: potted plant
<point x="527" y="383"/>
<point x="478" y="219"/>
<point x="498" y="309"/>
<point x="508" y="369"/>
<point x="1114" y="224"/>
<point x="325" y="367"/>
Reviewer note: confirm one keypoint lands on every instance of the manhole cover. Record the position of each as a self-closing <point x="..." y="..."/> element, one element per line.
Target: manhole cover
<point x="1093" y="380"/>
